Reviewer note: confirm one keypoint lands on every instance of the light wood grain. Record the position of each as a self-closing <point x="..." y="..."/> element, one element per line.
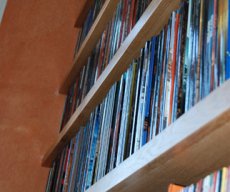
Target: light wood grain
<point x="150" y="23"/>
<point x="195" y="145"/>
<point x="83" y="13"/>
<point x="90" y="42"/>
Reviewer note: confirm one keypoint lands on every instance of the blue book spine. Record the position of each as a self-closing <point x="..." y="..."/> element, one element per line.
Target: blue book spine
<point x="148" y="93"/>
<point x="93" y="149"/>
<point x="227" y="68"/>
<point x="147" y="109"/>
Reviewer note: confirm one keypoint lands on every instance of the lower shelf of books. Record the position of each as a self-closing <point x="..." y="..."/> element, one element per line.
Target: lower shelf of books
<point x="218" y="181"/>
<point x="193" y="146"/>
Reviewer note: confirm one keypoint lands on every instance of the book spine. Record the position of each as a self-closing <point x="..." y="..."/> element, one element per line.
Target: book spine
<point x="227" y="68"/>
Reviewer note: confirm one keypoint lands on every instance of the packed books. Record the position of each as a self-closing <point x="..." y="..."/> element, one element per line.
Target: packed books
<point x="125" y="17"/>
<point x="175" y="70"/>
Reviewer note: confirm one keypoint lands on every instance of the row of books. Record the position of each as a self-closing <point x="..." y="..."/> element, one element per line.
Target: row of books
<point x="90" y="18"/>
<point x="206" y="53"/>
<point x="218" y="181"/>
<point x="127" y="14"/>
<point x="172" y="73"/>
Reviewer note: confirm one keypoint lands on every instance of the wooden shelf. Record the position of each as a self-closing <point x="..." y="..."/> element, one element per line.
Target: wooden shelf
<point x="195" y="145"/>
<point x="83" y="13"/>
<point x="90" y="42"/>
<point x="129" y="49"/>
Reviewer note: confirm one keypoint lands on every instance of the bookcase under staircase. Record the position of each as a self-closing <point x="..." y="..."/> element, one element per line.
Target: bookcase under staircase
<point x="194" y="145"/>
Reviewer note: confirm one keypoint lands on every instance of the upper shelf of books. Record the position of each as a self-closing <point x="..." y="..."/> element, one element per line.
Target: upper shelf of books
<point x="96" y="21"/>
<point x="102" y="35"/>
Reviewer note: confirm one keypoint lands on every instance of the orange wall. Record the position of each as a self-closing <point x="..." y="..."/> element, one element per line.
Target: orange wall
<point x="37" y="40"/>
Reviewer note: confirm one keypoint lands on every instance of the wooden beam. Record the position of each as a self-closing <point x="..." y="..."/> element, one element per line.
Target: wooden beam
<point x="90" y="42"/>
<point x="193" y="146"/>
<point x="148" y="24"/>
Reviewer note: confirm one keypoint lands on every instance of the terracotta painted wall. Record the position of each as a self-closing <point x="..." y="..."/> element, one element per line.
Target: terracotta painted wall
<point x="37" y="40"/>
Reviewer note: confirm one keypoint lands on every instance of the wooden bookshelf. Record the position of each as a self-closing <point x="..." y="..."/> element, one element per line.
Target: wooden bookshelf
<point x="129" y="49"/>
<point x="193" y="146"/>
<point x="89" y="43"/>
